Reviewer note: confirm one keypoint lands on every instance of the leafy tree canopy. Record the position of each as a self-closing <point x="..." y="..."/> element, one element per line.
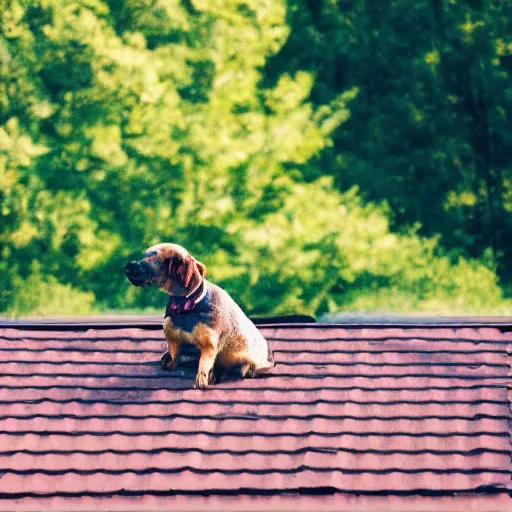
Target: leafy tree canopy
<point x="316" y="156"/>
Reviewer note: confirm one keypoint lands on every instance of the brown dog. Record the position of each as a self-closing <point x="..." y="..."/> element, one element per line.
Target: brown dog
<point x="200" y="313"/>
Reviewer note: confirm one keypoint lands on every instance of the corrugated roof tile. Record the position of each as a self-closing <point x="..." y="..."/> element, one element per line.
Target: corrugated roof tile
<point x="390" y="413"/>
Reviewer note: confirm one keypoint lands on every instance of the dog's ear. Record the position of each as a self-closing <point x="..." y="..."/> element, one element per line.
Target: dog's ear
<point x="187" y="273"/>
<point x="194" y="274"/>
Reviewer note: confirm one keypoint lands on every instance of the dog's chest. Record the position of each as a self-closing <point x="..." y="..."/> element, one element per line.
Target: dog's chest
<point x="187" y="320"/>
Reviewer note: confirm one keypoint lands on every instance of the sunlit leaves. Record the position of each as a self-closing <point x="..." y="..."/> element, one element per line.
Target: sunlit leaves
<point x="127" y="123"/>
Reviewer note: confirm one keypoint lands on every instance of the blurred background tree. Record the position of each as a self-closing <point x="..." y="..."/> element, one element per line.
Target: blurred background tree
<point x="316" y="155"/>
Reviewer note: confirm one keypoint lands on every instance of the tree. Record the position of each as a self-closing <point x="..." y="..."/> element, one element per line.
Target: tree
<point x="430" y="128"/>
<point x="127" y="123"/>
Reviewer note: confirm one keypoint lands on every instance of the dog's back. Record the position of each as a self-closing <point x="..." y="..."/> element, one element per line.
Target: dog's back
<point x="237" y="332"/>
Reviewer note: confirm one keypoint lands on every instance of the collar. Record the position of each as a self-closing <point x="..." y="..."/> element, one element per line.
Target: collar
<point x="187" y="303"/>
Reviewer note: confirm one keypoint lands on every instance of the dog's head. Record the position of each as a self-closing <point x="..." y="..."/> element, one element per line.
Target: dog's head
<point x="170" y="267"/>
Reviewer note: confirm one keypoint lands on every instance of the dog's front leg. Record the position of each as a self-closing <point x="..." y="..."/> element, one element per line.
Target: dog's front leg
<point x="207" y="342"/>
<point x="174" y="344"/>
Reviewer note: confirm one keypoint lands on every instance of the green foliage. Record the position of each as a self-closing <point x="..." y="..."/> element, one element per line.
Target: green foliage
<point x="430" y="130"/>
<point x="45" y="296"/>
<point x="343" y="256"/>
<point x="212" y="124"/>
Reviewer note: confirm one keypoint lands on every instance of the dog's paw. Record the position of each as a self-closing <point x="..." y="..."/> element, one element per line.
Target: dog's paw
<point x="167" y="363"/>
<point x="203" y="380"/>
<point x="249" y="370"/>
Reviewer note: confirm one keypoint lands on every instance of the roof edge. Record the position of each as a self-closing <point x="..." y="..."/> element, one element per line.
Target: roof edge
<point x="150" y="322"/>
<point x="154" y="322"/>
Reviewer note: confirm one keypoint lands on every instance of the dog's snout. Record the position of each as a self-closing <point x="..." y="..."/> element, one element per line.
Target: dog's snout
<point x="132" y="266"/>
<point x="140" y="273"/>
<point x="134" y="273"/>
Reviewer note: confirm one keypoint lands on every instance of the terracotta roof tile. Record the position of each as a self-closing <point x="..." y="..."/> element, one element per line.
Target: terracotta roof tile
<point x="347" y="415"/>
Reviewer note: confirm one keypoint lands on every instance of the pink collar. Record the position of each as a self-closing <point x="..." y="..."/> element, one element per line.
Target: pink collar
<point x="189" y="304"/>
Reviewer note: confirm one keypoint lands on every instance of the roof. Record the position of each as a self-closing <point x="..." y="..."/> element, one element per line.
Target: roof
<point x="409" y="418"/>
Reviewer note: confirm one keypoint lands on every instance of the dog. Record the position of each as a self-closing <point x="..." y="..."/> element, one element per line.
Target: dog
<point x="200" y="313"/>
